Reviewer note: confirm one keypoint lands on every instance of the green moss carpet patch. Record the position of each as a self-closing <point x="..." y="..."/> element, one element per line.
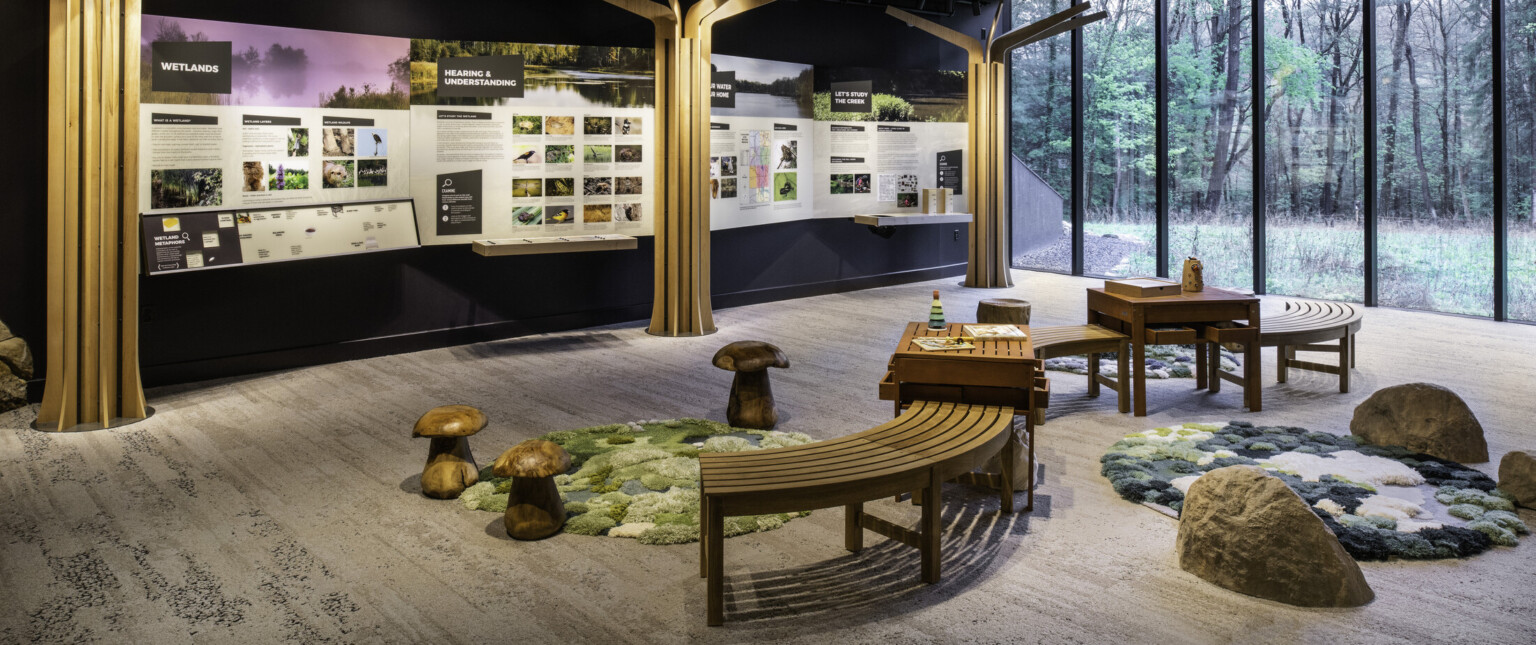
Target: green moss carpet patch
<point x="641" y="479"/>
<point x="1364" y="494"/>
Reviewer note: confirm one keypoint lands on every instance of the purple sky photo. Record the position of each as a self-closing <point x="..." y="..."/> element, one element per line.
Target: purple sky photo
<point x="332" y="60"/>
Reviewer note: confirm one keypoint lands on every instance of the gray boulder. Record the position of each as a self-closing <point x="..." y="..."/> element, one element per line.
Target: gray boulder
<point x="1246" y="531"/>
<point x="15" y="368"/>
<point x="1517" y="476"/>
<point x="1422" y="417"/>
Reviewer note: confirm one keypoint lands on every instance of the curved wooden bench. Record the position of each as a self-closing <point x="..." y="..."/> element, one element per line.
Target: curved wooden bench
<point x="1071" y="340"/>
<point x="1306" y="323"/>
<point x="919" y="450"/>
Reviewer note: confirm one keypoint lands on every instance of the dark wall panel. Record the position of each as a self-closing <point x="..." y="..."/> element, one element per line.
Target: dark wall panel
<point x="247" y="319"/>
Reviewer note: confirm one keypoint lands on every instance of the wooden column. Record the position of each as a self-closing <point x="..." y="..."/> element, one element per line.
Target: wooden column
<point x="987" y="132"/>
<point x="683" y="44"/>
<point x="93" y="261"/>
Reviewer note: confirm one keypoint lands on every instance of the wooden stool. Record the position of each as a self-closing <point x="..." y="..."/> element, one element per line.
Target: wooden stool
<point x="1002" y="311"/>
<point x="534" y="509"/>
<point x="450" y="466"/>
<point x="751" y="404"/>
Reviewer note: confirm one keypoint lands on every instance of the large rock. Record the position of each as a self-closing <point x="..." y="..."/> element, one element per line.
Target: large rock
<point x="1423" y="417"/>
<point x="15" y="357"/>
<point x="1243" y="530"/>
<point x="1517" y="476"/>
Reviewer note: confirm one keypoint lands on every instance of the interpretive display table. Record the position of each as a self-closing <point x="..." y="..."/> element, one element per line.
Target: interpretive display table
<point x="554" y="244"/>
<point x="911" y="219"/>
<point x="1186" y="318"/>
<point x="994" y="372"/>
<point x="189" y="241"/>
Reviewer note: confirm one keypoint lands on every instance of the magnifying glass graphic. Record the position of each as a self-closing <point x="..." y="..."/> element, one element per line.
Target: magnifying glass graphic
<point x="447" y="183"/>
<point x="186" y="236"/>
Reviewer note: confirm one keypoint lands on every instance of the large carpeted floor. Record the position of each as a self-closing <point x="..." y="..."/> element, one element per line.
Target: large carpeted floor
<point x="284" y="506"/>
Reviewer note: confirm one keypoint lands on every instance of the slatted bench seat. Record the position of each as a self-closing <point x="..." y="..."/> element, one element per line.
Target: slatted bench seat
<point x="1071" y="340"/>
<point x="1302" y="327"/>
<point x="927" y="445"/>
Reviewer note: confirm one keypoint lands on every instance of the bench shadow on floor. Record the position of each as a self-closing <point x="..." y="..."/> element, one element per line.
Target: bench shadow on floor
<point x="883" y="579"/>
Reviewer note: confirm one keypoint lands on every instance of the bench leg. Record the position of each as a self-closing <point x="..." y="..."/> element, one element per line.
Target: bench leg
<point x="930" y="532"/>
<point x="1213" y="362"/>
<point x="1123" y="384"/>
<point x="703" y="536"/>
<point x="1345" y="358"/>
<point x="1253" y="392"/>
<point x="1009" y="454"/>
<point x="1202" y="371"/>
<point x="1138" y="376"/>
<point x="1029" y="495"/>
<point x="1280" y="365"/>
<point x="853" y="529"/>
<point x="715" y="534"/>
<point x="1352" y="351"/>
<point x="1093" y="375"/>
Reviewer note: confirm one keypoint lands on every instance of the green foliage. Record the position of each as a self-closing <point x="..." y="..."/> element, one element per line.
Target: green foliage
<point x="885" y="108"/>
<point x="620" y="439"/>
<point x="590" y="523"/>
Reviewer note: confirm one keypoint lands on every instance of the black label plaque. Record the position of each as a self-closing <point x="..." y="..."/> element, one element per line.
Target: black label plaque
<point x="481" y="76"/>
<point x="201" y="68"/>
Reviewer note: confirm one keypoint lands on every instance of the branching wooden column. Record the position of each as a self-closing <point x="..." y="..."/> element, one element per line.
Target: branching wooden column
<point x="93" y="240"/>
<point x="682" y="304"/>
<point x="987" y="131"/>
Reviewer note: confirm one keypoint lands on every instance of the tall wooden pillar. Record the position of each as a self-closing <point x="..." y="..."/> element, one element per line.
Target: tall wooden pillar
<point x="682" y="303"/>
<point x="93" y="261"/>
<point x="987" y="132"/>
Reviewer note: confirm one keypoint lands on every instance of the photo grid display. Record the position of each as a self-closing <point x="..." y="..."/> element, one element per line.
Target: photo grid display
<point x="586" y="169"/>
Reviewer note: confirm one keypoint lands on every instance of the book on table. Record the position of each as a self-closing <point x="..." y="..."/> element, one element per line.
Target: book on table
<point x="984" y="332"/>
<point x="1143" y="287"/>
<point x="943" y="343"/>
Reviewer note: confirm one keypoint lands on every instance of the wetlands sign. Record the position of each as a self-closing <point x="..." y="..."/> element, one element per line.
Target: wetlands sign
<point x="722" y="89"/>
<point x="197" y="67"/>
<point x="481" y="76"/>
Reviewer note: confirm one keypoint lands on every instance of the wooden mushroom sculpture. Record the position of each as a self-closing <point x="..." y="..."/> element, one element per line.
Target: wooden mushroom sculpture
<point x="450" y="466"/>
<point x="751" y="404"/>
<point x="534" y="509"/>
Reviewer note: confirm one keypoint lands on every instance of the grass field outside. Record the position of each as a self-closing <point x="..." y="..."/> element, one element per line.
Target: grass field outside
<point x="1445" y="267"/>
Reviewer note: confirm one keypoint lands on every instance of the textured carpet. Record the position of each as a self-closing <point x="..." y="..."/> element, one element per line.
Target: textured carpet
<point x="1380" y="501"/>
<point x="641" y="479"/>
<point x="285" y="506"/>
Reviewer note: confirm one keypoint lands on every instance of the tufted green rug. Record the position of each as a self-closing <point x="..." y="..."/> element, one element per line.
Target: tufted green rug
<point x="641" y="479"/>
<point x="1381" y="501"/>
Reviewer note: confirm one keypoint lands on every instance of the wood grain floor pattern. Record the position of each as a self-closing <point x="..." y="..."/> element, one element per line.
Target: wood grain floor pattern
<point x="285" y="506"/>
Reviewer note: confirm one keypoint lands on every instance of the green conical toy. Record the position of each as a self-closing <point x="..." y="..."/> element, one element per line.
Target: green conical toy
<point x="936" y="313"/>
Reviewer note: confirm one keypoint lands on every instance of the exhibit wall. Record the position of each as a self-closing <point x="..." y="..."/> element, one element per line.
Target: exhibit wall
<point x="245" y="319"/>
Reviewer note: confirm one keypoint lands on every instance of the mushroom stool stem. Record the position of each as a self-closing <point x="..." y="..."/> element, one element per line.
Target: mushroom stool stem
<point x="450" y="468"/>
<point x="534" y="509"/>
<point x="751" y="404"/>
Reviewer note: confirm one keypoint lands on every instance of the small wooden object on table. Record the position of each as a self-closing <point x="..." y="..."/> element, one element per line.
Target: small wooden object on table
<point x="1001" y="372"/>
<point x="534" y="509"/>
<point x="1181" y="319"/>
<point x="1003" y="311"/>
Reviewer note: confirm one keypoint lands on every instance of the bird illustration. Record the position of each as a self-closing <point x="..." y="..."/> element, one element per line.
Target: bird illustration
<point x="561" y="216"/>
<point x="524" y="157"/>
<point x="376" y="141"/>
<point x="624" y="129"/>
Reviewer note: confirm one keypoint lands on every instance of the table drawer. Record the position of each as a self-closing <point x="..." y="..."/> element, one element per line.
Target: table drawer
<point x="1230" y="334"/>
<point x="1042" y="392"/>
<point x="1170" y="336"/>
<point x="888" y="389"/>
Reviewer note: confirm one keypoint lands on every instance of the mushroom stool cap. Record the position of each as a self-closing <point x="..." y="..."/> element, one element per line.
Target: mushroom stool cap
<point x="449" y="421"/>
<point x="532" y="458"/>
<point x="750" y="356"/>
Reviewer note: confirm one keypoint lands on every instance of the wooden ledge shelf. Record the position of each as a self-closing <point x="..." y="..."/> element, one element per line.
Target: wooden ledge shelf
<point x="910" y="219"/>
<point x="554" y="244"/>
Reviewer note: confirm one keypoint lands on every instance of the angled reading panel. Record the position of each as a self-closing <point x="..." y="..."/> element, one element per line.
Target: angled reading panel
<point x="971" y="45"/>
<point x="648" y="9"/>
<point x="1042" y="29"/>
